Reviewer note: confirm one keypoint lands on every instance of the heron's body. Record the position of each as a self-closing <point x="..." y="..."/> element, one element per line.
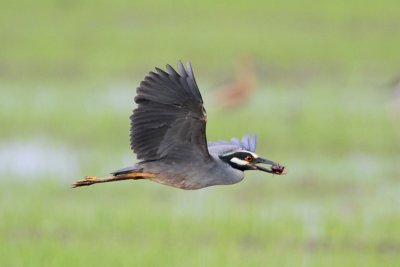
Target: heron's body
<point x="168" y="135"/>
<point x="189" y="176"/>
<point x="193" y="175"/>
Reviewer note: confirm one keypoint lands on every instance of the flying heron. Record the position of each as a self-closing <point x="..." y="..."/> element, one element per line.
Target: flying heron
<point x="168" y="135"/>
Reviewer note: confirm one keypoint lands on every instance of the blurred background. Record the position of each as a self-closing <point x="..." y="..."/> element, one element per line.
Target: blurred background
<point x="318" y="81"/>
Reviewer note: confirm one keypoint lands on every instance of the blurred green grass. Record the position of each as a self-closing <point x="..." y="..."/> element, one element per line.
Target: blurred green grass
<point x="261" y="222"/>
<point x="338" y="205"/>
<point x="68" y="72"/>
<point x="77" y="40"/>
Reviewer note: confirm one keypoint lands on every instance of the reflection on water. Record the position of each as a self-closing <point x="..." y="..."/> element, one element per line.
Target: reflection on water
<point x="37" y="158"/>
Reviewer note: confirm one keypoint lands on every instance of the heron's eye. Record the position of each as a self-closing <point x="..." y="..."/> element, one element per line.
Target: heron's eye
<point x="249" y="158"/>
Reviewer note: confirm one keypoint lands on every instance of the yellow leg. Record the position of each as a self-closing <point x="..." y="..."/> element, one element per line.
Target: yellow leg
<point x="89" y="180"/>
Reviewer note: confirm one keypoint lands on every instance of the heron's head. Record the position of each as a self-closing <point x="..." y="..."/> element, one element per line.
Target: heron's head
<point x="245" y="160"/>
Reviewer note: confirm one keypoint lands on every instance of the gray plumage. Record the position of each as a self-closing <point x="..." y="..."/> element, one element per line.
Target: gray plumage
<point x="168" y="132"/>
<point x="168" y="135"/>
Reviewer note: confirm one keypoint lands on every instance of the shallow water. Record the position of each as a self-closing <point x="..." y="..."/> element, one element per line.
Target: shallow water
<point x="38" y="158"/>
<point x="43" y="157"/>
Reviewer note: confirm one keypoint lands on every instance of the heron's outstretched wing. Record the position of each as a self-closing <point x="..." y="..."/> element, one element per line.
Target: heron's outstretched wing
<point x="170" y="120"/>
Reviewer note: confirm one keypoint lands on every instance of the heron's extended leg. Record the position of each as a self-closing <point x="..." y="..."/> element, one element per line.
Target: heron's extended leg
<point x="89" y="180"/>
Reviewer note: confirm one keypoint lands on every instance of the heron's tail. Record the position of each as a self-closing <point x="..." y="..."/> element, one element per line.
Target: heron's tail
<point x="131" y="173"/>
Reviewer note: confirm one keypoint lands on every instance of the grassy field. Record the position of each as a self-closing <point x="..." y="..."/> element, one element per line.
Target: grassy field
<point x="324" y="107"/>
<point x="79" y="40"/>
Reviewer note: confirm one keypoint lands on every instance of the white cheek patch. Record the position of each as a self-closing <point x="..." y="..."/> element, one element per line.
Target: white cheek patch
<point x="254" y="155"/>
<point x="239" y="161"/>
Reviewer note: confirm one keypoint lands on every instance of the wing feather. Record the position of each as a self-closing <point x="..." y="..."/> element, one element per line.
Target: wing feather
<point x="170" y="120"/>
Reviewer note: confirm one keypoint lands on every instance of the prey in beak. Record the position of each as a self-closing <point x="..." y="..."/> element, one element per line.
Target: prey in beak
<point x="275" y="168"/>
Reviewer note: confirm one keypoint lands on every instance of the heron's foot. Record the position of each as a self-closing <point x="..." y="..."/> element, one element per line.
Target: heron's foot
<point x="88" y="180"/>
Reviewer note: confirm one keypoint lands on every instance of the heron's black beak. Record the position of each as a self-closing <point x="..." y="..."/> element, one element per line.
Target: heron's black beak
<point x="275" y="167"/>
